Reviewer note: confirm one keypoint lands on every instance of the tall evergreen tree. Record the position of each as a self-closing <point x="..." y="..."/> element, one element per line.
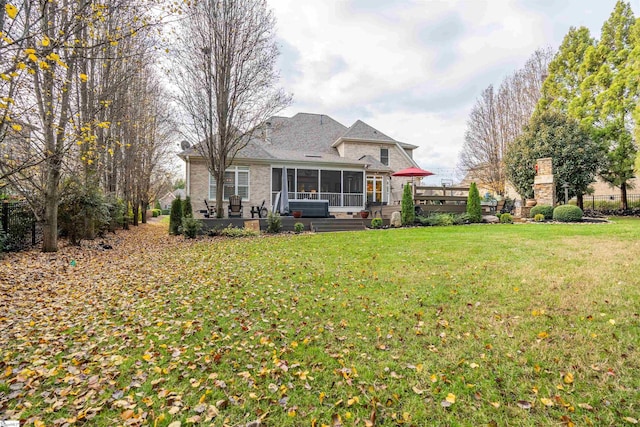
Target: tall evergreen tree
<point x="566" y="72"/>
<point x="474" y="209"/>
<point x="408" y="212"/>
<point x="609" y="95"/>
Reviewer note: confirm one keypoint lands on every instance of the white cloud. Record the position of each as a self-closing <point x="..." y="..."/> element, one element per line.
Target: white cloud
<point x="414" y="68"/>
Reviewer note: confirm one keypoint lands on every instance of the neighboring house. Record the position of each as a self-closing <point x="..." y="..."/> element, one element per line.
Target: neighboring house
<point x="165" y="201"/>
<point x="324" y="160"/>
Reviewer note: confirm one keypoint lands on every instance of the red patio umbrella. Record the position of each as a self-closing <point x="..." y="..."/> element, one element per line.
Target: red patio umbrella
<point x="413" y="171"/>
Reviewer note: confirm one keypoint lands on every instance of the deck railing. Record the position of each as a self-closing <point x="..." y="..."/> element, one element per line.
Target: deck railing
<point x="336" y="200"/>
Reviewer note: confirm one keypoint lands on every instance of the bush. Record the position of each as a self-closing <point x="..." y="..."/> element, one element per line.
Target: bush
<point x="232" y="231"/>
<point x="474" y="210"/>
<point x="157" y="205"/>
<point x="166" y="211"/>
<point x="376" y="223"/>
<point x="567" y="213"/>
<point x="462" y="219"/>
<point x="191" y="227"/>
<point x="506" y="218"/>
<point x="546" y="210"/>
<point x="408" y="212"/>
<point x="298" y="227"/>
<point x="274" y="223"/>
<point x="538" y="218"/>
<point x="156" y="212"/>
<point x="82" y="212"/>
<point x="175" y="218"/>
<point x="438" y="219"/>
<point x="187" y="209"/>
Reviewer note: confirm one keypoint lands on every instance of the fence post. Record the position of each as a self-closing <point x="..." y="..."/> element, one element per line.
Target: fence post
<point x="5" y="217"/>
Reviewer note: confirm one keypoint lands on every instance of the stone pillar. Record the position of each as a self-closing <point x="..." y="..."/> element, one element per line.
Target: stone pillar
<point x="544" y="186"/>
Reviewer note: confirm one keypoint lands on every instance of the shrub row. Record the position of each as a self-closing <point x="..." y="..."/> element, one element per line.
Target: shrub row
<point x="562" y="213"/>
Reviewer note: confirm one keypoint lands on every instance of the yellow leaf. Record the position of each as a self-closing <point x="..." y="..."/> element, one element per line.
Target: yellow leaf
<point x="83" y="77"/>
<point x="433" y="378"/>
<point x="46" y="41"/>
<point x="16" y="127"/>
<point x="546" y="401"/>
<point x="630" y="420"/>
<point x="612" y="321"/>
<point x="451" y="398"/>
<point x="543" y="335"/>
<point x="44" y="65"/>
<point x="33" y="57"/>
<point x="11" y="10"/>
<point x="568" y="378"/>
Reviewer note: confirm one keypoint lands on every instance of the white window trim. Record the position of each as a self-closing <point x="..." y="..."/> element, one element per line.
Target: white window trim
<point x="235" y="170"/>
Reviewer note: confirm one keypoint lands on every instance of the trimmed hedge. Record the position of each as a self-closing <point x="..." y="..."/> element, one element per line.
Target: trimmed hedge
<point x="567" y="213"/>
<point x="546" y="210"/>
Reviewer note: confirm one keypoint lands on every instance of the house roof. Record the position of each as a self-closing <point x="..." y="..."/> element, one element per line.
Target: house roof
<point x="308" y="137"/>
<point x="361" y="130"/>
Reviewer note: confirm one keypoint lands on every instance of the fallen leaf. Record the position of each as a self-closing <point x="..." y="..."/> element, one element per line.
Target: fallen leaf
<point x="546" y="401"/>
<point x="568" y="378"/>
<point x="523" y="404"/>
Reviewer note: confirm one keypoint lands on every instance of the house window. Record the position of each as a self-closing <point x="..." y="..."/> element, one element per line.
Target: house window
<point x="384" y="156"/>
<point x="236" y="181"/>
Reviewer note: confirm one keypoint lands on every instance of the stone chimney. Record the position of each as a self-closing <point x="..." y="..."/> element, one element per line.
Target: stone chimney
<point x="544" y="186"/>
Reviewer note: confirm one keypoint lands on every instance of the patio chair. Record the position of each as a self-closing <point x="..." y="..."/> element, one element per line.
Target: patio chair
<point x="206" y="212"/>
<point x="261" y="210"/>
<point x="235" y="206"/>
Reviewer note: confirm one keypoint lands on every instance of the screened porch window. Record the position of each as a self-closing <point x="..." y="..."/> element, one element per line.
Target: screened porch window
<point x="236" y="181"/>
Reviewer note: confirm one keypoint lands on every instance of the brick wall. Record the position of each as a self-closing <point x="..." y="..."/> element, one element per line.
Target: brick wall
<point x="259" y="187"/>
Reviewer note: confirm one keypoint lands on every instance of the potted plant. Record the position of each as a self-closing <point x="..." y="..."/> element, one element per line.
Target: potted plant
<point x="296" y="214"/>
<point x="364" y="214"/>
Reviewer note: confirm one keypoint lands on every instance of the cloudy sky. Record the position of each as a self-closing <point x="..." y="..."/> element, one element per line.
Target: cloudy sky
<point x="413" y="68"/>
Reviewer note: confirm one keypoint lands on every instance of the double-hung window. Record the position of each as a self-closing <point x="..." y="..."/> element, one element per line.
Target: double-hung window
<point x="236" y="181"/>
<point x="384" y="156"/>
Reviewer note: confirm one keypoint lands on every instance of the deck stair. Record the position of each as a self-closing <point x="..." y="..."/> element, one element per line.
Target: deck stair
<point x="322" y="225"/>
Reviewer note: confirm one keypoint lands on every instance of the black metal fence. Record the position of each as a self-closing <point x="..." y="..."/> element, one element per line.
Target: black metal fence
<point x="611" y="201"/>
<point x="19" y="227"/>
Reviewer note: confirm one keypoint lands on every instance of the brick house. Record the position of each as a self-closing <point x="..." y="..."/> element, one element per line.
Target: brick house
<point x="325" y="160"/>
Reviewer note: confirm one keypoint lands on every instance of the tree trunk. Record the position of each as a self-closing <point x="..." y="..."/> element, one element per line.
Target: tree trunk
<point x="136" y="210"/>
<point x="219" y="195"/>
<point x="50" y="225"/>
<point x="580" y="198"/>
<point x="623" y="196"/>
<point x="145" y="203"/>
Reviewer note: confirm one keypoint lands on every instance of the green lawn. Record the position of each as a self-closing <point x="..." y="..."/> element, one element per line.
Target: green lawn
<point x="525" y="324"/>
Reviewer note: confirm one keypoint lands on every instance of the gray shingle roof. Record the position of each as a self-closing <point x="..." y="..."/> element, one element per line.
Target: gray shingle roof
<point x="306" y="132"/>
<point x="361" y="130"/>
<point x="308" y="137"/>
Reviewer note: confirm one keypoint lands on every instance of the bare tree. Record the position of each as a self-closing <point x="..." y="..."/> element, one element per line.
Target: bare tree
<point x="498" y="118"/>
<point x="54" y="111"/>
<point x="225" y="70"/>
